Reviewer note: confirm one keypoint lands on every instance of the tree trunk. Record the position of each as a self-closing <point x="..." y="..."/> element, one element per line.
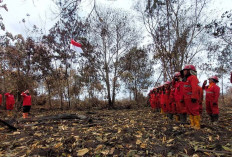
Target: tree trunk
<point x="69" y="99"/>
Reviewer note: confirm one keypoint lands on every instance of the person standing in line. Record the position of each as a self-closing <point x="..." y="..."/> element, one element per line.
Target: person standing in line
<point x="10" y="101"/>
<point x="191" y="96"/>
<point x="212" y="95"/>
<point x="0" y="99"/>
<point x="200" y="92"/>
<point x="26" y="103"/>
<point x="166" y="97"/>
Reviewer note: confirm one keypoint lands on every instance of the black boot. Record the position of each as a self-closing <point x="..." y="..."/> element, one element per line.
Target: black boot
<point x="171" y="116"/>
<point x="211" y="118"/>
<point x="215" y="118"/>
<point x="183" y="118"/>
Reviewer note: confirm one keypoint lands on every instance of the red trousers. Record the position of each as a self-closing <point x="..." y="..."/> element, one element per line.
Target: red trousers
<point x="200" y="108"/>
<point x="181" y="107"/>
<point x="192" y="108"/>
<point x="211" y="109"/>
<point x="10" y="106"/>
<point x="152" y="104"/>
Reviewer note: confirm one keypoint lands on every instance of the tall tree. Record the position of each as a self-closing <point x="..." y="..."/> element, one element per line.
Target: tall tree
<point x="137" y="71"/>
<point x="112" y="35"/>
<point x="176" y="29"/>
<point x="220" y="46"/>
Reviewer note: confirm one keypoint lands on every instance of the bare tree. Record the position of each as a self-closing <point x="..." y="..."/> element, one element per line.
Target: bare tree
<point x="176" y="29"/>
<point x="137" y="71"/>
<point x="112" y="35"/>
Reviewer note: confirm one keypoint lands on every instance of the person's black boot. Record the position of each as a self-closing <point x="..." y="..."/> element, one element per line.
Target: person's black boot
<point x="211" y="118"/>
<point x="185" y="117"/>
<point x="215" y="118"/>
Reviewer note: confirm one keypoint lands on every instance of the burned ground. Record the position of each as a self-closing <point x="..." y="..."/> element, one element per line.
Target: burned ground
<point x="113" y="133"/>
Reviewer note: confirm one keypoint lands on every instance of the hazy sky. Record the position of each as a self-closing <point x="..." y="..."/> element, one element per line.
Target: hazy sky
<point x="40" y="11"/>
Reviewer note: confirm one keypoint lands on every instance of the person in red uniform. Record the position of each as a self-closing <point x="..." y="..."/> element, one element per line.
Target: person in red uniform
<point x="191" y="96"/>
<point x="10" y="101"/>
<point x="200" y="92"/>
<point x="179" y="98"/>
<point x="26" y="103"/>
<point x="0" y="99"/>
<point x="166" y="100"/>
<point x="162" y="101"/>
<point x="158" y="99"/>
<point x="212" y="95"/>
<point x="172" y="106"/>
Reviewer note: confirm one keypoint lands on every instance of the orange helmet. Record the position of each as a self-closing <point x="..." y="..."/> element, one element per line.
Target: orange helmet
<point x="189" y="67"/>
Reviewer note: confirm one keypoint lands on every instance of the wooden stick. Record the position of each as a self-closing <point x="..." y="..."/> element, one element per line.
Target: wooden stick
<point x="9" y="125"/>
<point x="214" y="151"/>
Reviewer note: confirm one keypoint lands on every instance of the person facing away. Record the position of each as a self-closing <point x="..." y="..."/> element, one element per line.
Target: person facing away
<point x="212" y="95"/>
<point x="10" y="101"/>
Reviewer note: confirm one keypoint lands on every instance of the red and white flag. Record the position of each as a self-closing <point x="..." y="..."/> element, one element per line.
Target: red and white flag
<point x="76" y="46"/>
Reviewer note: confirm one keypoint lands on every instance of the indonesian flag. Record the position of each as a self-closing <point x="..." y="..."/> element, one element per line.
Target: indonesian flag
<point x="76" y="46"/>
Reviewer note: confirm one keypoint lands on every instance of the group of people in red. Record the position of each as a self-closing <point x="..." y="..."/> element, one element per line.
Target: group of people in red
<point x="183" y="96"/>
<point x="10" y="102"/>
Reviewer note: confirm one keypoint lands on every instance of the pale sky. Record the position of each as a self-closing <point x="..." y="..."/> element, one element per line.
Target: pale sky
<point x="40" y="12"/>
<point x="41" y="15"/>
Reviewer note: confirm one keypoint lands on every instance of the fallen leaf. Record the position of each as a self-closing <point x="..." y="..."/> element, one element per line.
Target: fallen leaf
<point x="143" y="145"/>
<point x="227" y="148"/>
<point x="185" y="150"/>
<point x="99" y="147"/>
<point x="176" y="127"/>
<point x="58" y="145"/>
<point x="138" y="142"/>
<point x="112" y="151"/>
<point x="169" y="141"/>
<point x="164" y="139"/>
<point x="105" y="152"/>
<point x="210" y="138"/>
<point x="38" y="134"/>
<point x="16" y="133"/>
<point x="82" y="152"/>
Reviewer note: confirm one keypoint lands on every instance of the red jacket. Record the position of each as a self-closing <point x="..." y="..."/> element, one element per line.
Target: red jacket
<point x="200" y="92"/>
<point x="26" y="99"/>
<point x="178" y="95"/>
<point x="191" y="88"/>
<point x="0" y="99"/>
<point x="9" y="99"/>
<point x="212" y="93"/>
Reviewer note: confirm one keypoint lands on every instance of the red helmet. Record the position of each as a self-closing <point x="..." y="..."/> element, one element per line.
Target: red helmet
<point x="189" y="67"/>
<point x="215" y="78"/>
<point x="177" y="74"/>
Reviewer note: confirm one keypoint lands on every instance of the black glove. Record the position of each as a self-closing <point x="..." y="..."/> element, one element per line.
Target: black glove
<point x="194" y="100"/>
<point x="181" y="101"/>
<point x="214" y="104"/>
<point x="164" y="105"/>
